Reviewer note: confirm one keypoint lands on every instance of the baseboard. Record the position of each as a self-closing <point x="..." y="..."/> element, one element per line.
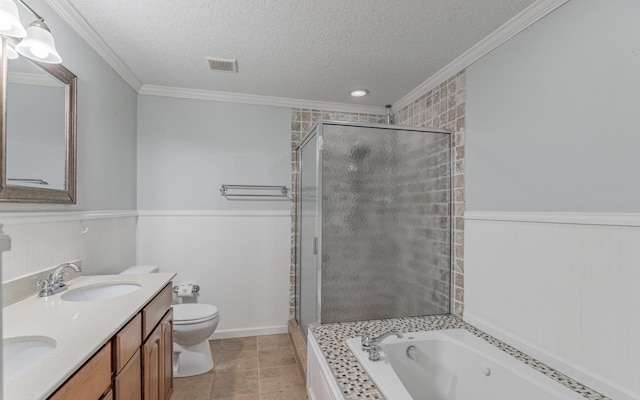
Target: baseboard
<point x="258" y="331"/>
<point x="566" y="367"/>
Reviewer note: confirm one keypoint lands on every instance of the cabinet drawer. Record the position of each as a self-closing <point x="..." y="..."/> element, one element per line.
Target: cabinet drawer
<point x="155" y="310"/>
<point x="128" y="385"/>
<point x="91" y="381"/>
<point x="127" y="341"/>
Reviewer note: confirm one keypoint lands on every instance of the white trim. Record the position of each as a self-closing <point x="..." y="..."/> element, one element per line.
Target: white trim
<point x="573" y="370"/>
<point x="71" y="16"/>
<point x="611" y="219"/>
<point x="27" y="78"/>
<point x="228" y="97"/>
<point x="34" y="217"/>
<point x="246" y="332"/>
<point x="515" y="25"/>
<point x="327" y="374"/>
<point x="62" y="216"/>
<point x="214" y="213"/>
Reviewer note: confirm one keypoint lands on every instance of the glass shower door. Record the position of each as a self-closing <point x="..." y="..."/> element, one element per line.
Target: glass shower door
<point x="307" y="240"/>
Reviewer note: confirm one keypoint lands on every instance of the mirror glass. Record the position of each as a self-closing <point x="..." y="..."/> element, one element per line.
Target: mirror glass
<point x="35" y="126"/>
<point x="38" y="135"/>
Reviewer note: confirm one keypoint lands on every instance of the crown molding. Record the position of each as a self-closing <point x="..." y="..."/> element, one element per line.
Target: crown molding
<point x="228" y="97"/>
<point x="71" y="16"/>
<point x="515" y="25"/>
<point x="509" y="29"/>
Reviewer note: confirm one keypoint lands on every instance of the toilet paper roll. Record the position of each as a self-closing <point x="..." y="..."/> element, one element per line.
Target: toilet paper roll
<point x="185" y="291"/>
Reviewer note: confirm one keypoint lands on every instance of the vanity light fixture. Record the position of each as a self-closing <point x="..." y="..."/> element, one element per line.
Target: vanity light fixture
<point x="10" y="24"/>
<point x="37" y="42"/>
<point x="359" y="92"/>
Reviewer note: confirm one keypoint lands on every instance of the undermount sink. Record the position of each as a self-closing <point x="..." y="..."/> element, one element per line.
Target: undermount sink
<point x="23" y="352"/>
<point x="100" y="291"/>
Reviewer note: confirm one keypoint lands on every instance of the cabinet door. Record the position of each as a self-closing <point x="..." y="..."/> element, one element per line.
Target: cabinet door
<point x="152" y="365"/>
<point x="91" y="381"/>
<point x="167" y="354"/>
<point x="128" y="381"/>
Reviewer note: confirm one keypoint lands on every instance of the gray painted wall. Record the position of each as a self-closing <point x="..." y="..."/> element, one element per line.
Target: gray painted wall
<point x="106" y="126"/>
<point x="188" y="148"/>
<point x="553" y="115"/>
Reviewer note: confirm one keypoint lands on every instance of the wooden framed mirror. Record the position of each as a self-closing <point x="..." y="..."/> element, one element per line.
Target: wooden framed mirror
<point x="38" y="131"/>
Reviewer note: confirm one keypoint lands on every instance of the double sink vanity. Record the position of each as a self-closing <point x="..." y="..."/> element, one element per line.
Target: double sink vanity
<point x="106" y="337"/>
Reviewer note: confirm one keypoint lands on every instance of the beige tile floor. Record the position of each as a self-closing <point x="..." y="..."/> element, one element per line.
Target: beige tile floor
<point x="251" y="368"/>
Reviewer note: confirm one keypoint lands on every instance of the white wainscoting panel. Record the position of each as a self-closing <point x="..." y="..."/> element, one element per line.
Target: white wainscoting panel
<point x="104" y="241"/>
<point x="240" y="260"/>
<point x="565" y="289"/>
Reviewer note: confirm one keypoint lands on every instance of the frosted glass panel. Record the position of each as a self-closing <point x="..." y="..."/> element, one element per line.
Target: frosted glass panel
<point x="385" y="223"/>
<point x="383" y="226"/>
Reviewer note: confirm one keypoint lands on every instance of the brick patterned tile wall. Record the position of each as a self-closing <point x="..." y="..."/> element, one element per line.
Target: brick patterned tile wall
<point x="444" y="107"/>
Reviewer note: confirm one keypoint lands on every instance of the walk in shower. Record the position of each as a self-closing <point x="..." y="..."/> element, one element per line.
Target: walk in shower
<point x="373" y="229"/>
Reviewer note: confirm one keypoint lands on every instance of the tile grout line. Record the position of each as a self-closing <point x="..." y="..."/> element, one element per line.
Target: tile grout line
<point x="259" y="367"/>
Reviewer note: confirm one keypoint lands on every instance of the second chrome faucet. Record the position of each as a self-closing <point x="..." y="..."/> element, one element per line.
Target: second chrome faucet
<point x="55" y="283"/>
<point x="370" y="343"/>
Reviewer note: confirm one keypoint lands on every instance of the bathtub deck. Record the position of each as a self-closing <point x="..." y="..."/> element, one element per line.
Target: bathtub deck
<point x="356" y="384"/>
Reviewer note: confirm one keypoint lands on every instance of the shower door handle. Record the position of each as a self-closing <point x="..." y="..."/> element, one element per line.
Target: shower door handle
<point x="315" y="246"/>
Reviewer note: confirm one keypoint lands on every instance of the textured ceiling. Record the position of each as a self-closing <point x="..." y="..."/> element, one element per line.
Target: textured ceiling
<point x="300" y="49"/>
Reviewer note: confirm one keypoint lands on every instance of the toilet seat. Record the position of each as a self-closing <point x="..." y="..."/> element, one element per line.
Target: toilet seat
<point x="184" y="314"/>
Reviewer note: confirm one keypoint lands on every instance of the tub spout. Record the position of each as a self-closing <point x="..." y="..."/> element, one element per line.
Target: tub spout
<point x="376" y="340"/>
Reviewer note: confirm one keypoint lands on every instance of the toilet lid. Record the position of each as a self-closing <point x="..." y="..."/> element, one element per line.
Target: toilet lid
<point x="187" y="313"/>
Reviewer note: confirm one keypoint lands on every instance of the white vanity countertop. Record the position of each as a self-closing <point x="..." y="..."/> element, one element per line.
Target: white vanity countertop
<point x="80" y="329"/>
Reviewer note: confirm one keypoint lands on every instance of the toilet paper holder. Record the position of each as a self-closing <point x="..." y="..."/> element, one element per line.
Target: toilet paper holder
<point x="195" y="288"/>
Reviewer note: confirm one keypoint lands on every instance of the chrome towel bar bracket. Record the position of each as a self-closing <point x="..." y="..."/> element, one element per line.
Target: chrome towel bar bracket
<point x="196" y="289"/>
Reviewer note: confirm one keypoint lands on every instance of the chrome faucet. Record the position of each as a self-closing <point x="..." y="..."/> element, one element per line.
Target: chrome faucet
<point x="55" y="283"/>
<point x="370" y="343"/>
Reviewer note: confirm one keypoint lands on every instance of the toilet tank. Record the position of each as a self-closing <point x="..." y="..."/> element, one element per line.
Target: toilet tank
<point x="141" y="269"/>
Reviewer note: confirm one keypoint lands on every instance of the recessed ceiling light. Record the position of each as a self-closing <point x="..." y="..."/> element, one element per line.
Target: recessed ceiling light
<point x="359" y="92"/>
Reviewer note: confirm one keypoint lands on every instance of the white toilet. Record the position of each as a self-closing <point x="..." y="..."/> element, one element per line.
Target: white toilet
<point x="193" y="324"/>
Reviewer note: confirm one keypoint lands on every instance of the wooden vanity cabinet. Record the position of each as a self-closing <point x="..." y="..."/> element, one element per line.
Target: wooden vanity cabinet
<point x="136" y="364"/>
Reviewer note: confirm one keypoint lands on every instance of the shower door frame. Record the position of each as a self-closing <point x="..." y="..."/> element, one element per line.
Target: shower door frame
<point x="316" y="130"/>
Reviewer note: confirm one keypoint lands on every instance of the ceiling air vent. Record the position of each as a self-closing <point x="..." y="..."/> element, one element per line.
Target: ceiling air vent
<point x="222" y="64"/>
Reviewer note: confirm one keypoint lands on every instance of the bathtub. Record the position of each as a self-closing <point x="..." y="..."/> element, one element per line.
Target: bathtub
<point x="454" y="364"/>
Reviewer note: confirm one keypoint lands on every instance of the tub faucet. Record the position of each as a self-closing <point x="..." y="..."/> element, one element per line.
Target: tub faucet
<point x="370" y="343"/>
<point x="55" y="283"/>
